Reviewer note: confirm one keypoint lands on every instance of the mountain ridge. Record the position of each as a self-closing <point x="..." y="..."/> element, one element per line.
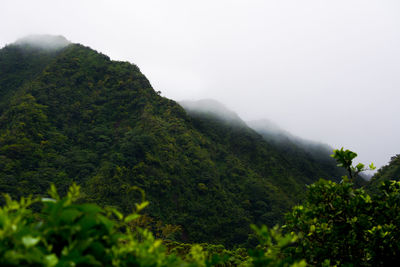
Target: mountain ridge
<point x="77" y="116"/>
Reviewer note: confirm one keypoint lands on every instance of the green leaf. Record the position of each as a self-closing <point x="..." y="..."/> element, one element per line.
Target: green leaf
<point x="69" y="215"/>
<point x="90" y="208"/>
<point x="360" y="166"/>
<point x="372" y="166"/>
<point x="46" y="199"/>
<point x="141" y="206"/>
<point x="51" y="260"/>
<point x="131" y="217"/>
<point x="30" y="241"/>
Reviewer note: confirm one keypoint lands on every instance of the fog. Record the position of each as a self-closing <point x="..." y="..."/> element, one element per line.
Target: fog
<point x="212" y="108"/>
<point x="44" y="41"/>
<point x="322" y="70"/>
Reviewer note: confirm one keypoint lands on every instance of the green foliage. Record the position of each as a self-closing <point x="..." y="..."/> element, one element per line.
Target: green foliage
<point x="340" y="225"/>
<point x="68" y="234"/>
<point x="18" y="66"/>
<point x="65" y="233"/>
<point x="272" y="247"/>
<point x="345" y="160"/>
<point x="388" y="172"/>
<point x="217" y="254"/>
<point x="75" y="115"/>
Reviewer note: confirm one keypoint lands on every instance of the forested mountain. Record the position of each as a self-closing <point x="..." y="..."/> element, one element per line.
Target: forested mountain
<point x="299" y="150"/>
<point x="310" y="156"/>
<point x="273" y="133"/>
<point x="25" y="59"/>
<point x="390" y="171"/>
<point x="69" y="113"/>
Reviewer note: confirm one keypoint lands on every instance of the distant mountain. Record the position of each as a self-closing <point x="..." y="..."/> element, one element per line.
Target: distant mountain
<point x="296" y="147"/>
<point x="314" y="157"/>
<point x="273" y="133"/>
<point x="69" y="113"/>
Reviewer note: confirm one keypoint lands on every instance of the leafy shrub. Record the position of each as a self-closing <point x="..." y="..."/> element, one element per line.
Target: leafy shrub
<point x="337" y="224"/>
<point x="273" y="248"/>
<point x="67" y="233"/>
<point x="340" y="225"/>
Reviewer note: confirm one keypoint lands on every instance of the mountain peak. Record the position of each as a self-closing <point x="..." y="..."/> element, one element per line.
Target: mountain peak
<point x="43" y="41"/>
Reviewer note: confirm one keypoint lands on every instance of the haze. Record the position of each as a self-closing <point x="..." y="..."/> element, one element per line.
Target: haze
<point x="323" y="70"/>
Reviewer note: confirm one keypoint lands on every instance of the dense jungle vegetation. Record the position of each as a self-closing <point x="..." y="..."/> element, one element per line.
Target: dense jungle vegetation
<point x="137" y="180"/>
<point x="387" y="172"/>
<point x="73" y="115"/>
<point x="336" y="225"/>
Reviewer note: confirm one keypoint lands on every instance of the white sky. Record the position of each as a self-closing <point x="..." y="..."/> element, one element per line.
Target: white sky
<point x="324" y="70"/>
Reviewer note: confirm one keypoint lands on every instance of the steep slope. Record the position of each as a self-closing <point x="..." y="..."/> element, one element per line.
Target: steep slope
<point x="308" y="157"/>
<point x="301" y="152"/>
<point x="22" y="61"/>
<point x="390" y="171"/>
<point x="78" y="116"/>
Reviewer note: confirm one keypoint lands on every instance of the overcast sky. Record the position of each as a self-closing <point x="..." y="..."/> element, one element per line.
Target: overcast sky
<point x="324" y="70"/>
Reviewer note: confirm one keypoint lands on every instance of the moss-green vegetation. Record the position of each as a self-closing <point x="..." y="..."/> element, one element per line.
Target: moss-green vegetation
<point x="390" y="171"/>
<point x="73" y="115"/>
<point x="340" y="225"/>
<point x="336" y="225"/>
<point x="67" y="233"/>
<point x="346" y="226"/>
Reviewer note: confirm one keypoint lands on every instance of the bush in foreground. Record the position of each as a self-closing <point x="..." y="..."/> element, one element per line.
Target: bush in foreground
<point x="66" y="233"/>
<point x="338" y="224"/>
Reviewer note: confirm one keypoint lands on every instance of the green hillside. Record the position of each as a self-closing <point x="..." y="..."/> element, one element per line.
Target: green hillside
<point x="391" y="171"/>
<point x="72" y="114"/>
<point x="308" y="156"/>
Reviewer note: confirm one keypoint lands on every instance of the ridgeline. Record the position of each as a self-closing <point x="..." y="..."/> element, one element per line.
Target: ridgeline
<point x="70" y="114"/>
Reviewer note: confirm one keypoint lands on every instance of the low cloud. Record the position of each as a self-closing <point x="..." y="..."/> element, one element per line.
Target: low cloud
<point x="44" y="41"/>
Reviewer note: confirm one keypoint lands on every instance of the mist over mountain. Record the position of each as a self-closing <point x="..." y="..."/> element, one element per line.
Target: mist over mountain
<point x="22" y="61"/>
<point x="295" y="149"/>
<point x="74" y="115"/>
<point x="270" y="127"/>
<point x="269" y="160"/>
<point x="212" y="108"/>
<point x="270" y="131"/>
<point x="273" y="133"/>
<point x="44" y="41"/>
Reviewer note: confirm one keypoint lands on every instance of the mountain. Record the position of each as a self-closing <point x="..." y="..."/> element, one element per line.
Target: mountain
<point x="70" y="114"/>
<point x="272" y="132"/>
<point x="318" y="154"/>
<point x="312" y="157"/>
<point x="301" y="151"/>
<point x="22" y="61"/>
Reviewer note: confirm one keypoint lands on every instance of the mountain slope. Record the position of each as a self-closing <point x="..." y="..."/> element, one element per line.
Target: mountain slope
<point x="22" y="61"/>
<point x="78" y="116"/>
<point x="310" y="157"/>
<point x="390" y="171"/>
<point x="314" y="155"/>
